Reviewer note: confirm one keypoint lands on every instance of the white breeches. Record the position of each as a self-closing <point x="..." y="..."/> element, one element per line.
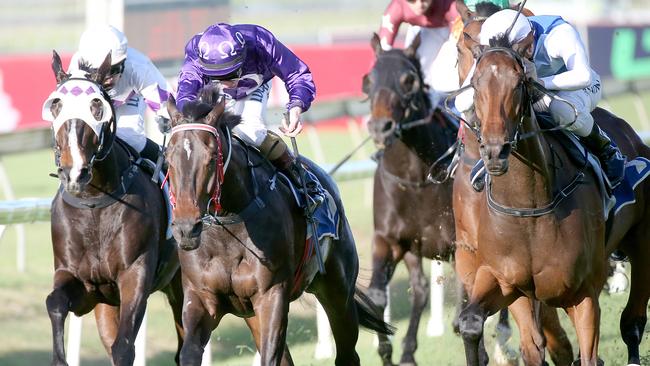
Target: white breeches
<point x="130" y="122"/>
<point x="252" y="110"/>
<point x="584" y="100"/>
<point x="438" y="58"/>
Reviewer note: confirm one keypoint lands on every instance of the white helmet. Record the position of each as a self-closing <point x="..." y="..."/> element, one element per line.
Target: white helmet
<point x="96" y="43"/>
<point x="500" y="21"/>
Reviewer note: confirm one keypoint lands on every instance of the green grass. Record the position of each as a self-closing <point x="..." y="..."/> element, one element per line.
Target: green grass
<point x="26" y="334"/>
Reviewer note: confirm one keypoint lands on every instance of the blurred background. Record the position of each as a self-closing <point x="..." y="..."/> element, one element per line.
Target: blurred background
<point x="332" y="37"/>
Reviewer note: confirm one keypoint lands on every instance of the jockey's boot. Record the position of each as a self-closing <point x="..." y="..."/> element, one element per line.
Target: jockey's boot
<point x="277" y="151"/>
<point x="611" y="159"/>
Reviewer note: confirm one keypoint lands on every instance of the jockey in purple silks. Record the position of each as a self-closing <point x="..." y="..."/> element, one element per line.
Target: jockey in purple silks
<point x="242" y="59"/>
<point x="133" y="83"/>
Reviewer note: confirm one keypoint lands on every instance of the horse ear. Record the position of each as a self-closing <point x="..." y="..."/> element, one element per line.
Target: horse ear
<point x="463" y="10"/>
<point x="57" y="67"/>
<point x="413" y="48"/>
<point x="365" y="84"/>
<point x="216" y="112"/>
<point x="375" y="43"/>
<point x="172" y="109"/>
<point x="473" y="45"/>
<point x="103" y="70"/>
<point x="525" y="47"/>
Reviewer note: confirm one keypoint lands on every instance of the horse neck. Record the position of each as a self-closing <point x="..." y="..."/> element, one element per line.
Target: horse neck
<point x="237" y="188"/>
<point x="107" y="173"/>
<point x="530" y="179"/>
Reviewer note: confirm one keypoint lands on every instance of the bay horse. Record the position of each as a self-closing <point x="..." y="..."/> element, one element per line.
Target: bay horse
<point x="243" y="236"/>
<point x="108" y="222"/>
<point x="529" y="316"/>
<point x="541" y="216"/>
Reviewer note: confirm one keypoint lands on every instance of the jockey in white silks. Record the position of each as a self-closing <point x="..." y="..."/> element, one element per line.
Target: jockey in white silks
<point x="133" y="83"/>
<point x="557" y="60"/>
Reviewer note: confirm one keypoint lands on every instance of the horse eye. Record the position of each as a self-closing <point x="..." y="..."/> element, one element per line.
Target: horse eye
<point x="96" y="108"/>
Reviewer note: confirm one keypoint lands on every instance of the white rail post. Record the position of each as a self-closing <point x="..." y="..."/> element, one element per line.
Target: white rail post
<point x="207" y="355"/>
<point x="324" y="345"/>
<point x="436" y="326"/>
<point x="74" y="340"/>
<point x="141" y="344"/>
<point x="20" y="228"/>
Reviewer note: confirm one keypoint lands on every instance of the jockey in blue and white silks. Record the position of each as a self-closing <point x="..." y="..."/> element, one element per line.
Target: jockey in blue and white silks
<point x="557" y="59"/>
<point x="133" y="83"/>
<point x="242" y="59"/>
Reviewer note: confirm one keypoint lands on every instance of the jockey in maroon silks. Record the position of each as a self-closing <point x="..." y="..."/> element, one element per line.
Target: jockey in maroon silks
<point x="242" y="59"/>
<point x="433" y="20"/>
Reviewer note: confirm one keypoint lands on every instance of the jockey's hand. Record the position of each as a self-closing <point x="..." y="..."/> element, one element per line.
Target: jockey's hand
<point x="530" y="69"/>
<point x="293" y="126"/>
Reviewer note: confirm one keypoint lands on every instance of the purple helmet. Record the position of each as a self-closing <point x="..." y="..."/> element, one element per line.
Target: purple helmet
<point x="221" y="50"/>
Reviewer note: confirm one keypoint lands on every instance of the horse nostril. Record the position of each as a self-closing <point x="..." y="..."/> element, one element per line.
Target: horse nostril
<point x="388" y="126"/>
<point x="196" y="229"/>
<point x="83" y="173"/>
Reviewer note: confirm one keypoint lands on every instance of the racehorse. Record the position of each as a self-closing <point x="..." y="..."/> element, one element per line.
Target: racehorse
<point x="541" y="217"/>
<point x="412" y="216"/>
<point x="528" y="316"/>
<point x="243" y="236"/>
<point x="108" y="222"/>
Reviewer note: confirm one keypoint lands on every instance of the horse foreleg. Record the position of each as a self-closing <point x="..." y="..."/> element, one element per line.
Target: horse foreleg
<point x="272" y="309"/>
<point x="383" y="267"/>
<point x="59" y="303"/>
<point x="586" y="320"/>
<point x="634" y="316"/>
<point x="419" y="298"/>
<point x="557" y="342"/>
<point x="254" y="325"/>
<point x="107" y="318"/>
<point x="197" y="326"/>
<point x="532" y="340"/>
<point x="486" y="298"/>
<point x="174" y="293"/>
<point x="134" y="289"/>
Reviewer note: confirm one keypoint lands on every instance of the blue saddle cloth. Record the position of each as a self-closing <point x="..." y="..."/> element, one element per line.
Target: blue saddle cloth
<point x="326" y="214"/>
<point x="635" y="172"/>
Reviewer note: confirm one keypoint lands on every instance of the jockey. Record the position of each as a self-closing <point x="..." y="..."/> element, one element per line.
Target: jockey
<point x="242" y="59"/>
<point x="133" y="82"/>
<point x="558" y="61"/>
<point x="433" y="20"/>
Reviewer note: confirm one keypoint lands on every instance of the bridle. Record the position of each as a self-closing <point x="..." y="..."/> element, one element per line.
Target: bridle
<point x="107" y="132"/>
<point x="220" y="169"/>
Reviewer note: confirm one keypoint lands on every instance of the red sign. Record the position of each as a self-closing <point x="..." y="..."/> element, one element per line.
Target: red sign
<point x="26" y="81"/>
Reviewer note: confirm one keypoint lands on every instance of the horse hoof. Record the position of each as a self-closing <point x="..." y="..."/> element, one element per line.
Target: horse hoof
<point x="600" y="362"/>
<point x="413" y="363"/>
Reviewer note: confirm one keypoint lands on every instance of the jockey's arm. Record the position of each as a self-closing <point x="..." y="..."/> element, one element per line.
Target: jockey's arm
<point x="390" y="22"/>
<point x="287" y="66"/>
<point x="564" y="42"/>
<point x="154" y="88"/>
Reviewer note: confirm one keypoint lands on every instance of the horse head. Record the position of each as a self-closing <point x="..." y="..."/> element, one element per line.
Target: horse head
<point x="396" y="91"/>
<point x="501" y="98"/>
<point x="196" y="162"/>
<point x="83" y="123"/>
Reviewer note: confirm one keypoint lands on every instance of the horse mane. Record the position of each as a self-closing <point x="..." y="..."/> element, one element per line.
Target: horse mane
<point x="485" y="9"/>
<point x="85" y="65"/>
<point x="500" y="40"/>
<point x="208" y="96"/>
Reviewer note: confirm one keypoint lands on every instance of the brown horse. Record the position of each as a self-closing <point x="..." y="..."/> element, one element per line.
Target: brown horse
<point x="244" y="240"/>
<point x="108" y="222"/>
<point x="537" y="203"/>
<point x="528" y="316"/>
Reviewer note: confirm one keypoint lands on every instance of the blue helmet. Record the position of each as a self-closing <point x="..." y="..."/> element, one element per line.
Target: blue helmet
<point x="221" y="50"/>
